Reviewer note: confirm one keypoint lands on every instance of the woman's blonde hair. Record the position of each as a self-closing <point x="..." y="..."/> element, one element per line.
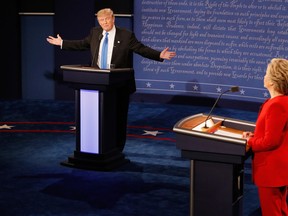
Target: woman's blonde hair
<point x="278" y="72"/>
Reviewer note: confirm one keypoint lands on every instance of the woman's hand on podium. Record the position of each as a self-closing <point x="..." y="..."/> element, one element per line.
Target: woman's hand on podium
<point x="247" y="135"/>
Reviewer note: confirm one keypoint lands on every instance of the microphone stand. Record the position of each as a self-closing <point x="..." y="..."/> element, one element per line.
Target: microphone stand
<point x="232" y="89"/>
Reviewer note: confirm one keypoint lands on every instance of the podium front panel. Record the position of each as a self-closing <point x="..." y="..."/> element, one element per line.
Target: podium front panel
<point x="89" y="122"/>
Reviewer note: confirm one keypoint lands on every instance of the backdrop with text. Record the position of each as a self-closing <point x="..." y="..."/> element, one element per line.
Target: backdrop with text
<point x="219" y="44"/>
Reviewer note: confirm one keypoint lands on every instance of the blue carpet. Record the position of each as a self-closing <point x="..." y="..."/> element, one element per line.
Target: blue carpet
<point x="156" y="182"/>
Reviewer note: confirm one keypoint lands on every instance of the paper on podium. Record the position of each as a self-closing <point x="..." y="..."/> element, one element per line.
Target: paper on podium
<point x="217" y="129"/>
<point x="209" y="123"/>
<point x="227" y="133"/>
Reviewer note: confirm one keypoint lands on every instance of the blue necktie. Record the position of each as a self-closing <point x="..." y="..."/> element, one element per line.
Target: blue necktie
<point x="104" y="52"/>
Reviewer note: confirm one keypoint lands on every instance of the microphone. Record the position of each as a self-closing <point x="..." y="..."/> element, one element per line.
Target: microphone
<point x="232" y="89"/>
<point x="99" y="38"/>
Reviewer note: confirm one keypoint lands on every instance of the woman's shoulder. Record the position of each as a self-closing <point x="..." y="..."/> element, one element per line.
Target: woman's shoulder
<point x="280" y="101"/>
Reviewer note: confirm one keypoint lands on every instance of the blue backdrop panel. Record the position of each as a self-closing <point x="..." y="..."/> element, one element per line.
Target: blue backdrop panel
<point x="218" y="43"/>
<point x="37" y="57"/>
<point x="72" y="20"/>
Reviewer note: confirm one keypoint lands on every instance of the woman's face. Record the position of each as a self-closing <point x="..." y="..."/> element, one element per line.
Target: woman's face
<point x="267" y="78"/>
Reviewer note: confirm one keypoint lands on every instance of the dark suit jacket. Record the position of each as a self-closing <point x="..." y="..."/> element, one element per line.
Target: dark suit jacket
<point x="125" y="44"/>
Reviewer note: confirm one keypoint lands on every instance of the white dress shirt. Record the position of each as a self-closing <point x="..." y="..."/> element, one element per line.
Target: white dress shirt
<point x="111" y="37"/>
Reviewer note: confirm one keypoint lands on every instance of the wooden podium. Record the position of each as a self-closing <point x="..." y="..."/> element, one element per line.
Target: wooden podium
<point x="217" y="154"/>
<point x="96" y="116"/>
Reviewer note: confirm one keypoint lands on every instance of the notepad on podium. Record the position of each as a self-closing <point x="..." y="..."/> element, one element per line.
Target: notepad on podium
<point x="211" y="126"/>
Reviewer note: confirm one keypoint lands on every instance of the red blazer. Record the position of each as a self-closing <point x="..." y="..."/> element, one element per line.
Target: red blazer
<point x="270" y="144"/>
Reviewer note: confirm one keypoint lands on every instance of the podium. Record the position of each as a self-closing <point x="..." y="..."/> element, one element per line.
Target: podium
<point x="217" y="154"/>
<point x="96" y="116"/>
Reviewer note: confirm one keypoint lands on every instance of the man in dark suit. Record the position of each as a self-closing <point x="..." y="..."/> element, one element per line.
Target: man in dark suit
<point x="121" y="45"/>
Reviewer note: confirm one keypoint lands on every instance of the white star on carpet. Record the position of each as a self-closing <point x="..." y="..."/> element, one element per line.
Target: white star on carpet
<point x="72" y="127"/>
<point x="5" y="126"/>
<point x="153" y="133"/>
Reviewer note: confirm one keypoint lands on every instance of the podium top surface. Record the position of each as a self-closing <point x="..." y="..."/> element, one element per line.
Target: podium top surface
<point x="93" y="69"/>
<point x="219" y="140"/>
<point x="219" y="128"/>
<point x="85" y="75"/>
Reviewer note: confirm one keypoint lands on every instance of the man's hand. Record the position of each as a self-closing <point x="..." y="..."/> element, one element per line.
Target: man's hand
<point x="165" y="54"/>
<point x="55" y="41"/>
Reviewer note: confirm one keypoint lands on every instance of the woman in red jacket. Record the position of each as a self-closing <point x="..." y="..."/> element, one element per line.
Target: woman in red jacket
<point x="269" y="142"/>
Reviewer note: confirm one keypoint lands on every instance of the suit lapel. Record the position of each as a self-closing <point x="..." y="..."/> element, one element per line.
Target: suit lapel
<point x="117" y="42"/>
<point x="97" y="36"/>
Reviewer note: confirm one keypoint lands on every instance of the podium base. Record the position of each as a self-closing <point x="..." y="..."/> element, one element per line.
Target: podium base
<point x="99" y="162"/>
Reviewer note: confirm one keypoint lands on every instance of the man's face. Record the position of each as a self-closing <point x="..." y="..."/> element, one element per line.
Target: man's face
<point x="106" y="21"/>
